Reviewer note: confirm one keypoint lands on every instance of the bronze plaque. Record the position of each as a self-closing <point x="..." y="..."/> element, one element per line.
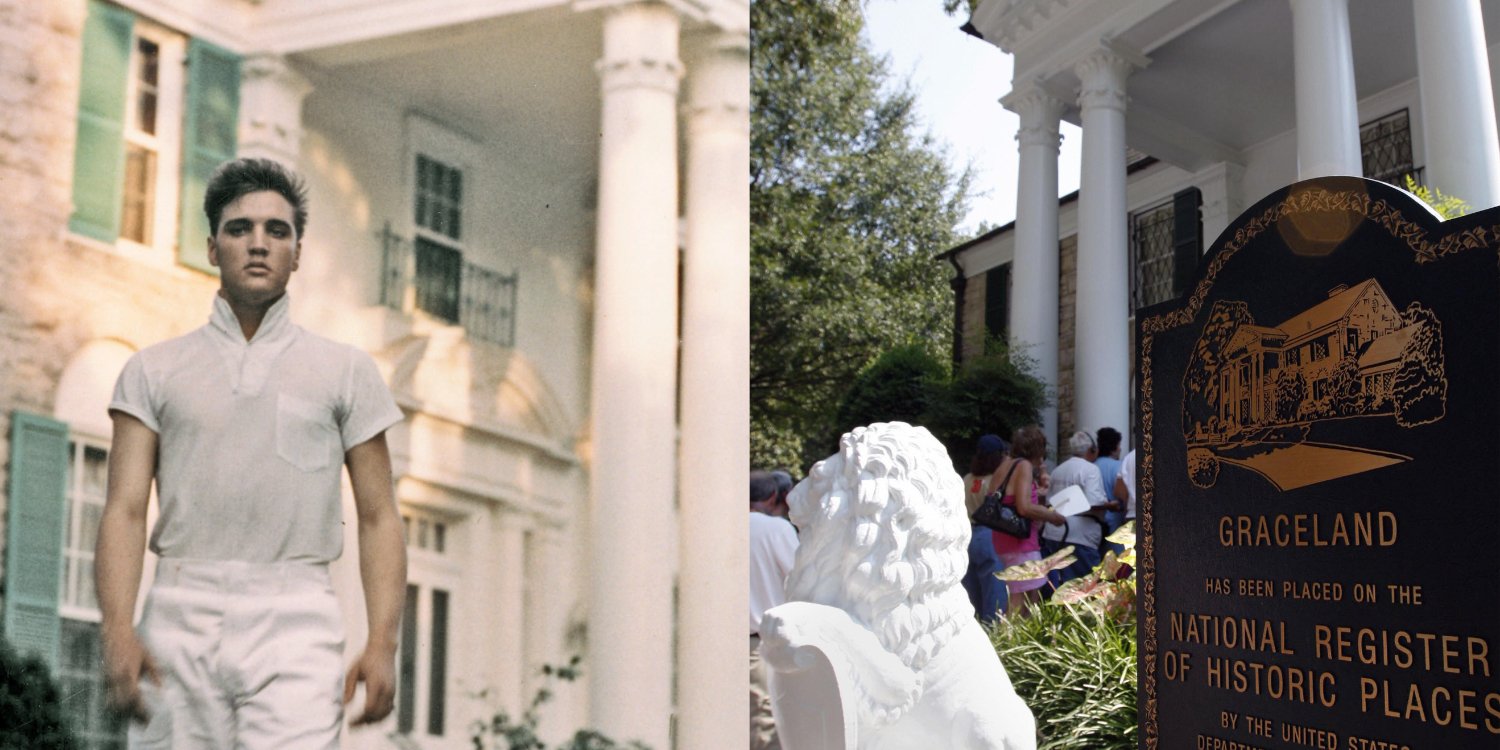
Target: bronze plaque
<point x="1318" y="511"/>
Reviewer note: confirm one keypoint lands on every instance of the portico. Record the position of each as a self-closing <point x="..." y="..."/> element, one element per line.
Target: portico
<point x="1228" y="101"/>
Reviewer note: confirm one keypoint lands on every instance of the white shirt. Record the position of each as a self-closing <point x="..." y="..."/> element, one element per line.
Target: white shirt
<point x="773" y="549"/>
<point x="251" y="436"/>
<point x="1127" y="473"/>
<point x="1081" y="472"/>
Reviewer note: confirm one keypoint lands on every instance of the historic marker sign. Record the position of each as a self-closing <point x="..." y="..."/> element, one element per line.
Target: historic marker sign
<point x="1319" y="491"/>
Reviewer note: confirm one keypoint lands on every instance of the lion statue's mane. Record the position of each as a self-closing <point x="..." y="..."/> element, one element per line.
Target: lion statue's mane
<point x="884" y="536"/>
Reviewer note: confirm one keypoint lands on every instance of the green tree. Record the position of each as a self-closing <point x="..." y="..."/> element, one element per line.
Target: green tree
<point x="848" y="206"/>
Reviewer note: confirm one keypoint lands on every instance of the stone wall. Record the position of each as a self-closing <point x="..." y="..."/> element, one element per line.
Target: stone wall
<point x="972" y="341"/>
<point x="1067" y="296"/>
<point x="58" y="292"/>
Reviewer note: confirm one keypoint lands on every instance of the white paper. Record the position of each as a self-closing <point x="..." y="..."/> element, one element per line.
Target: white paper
<point x="1070" y="501"/>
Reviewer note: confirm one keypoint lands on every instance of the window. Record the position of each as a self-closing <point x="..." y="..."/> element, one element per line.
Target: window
<point x="997" y="301"/>
<point x="1151" y="245"/>
<point x="157" y="112"/>
<point x="1385" y="149"/>
<point x="422" y="654"/>
<point x="80" y="674"/>
<point x="438" y="205"/>
<point x="1166" y="241"/>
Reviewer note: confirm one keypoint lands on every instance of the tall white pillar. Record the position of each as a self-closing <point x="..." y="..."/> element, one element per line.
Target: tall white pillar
<point x="509" y="624"/>
<point x="633" y="379"/>
<point x="712" y="673"/>
<point x="1034" y="272"/>
<point x="1101" y="339"/>
<point x="1458" y="105"/>
<point x="1327" y="111"/>
<point x="271" y="94"/>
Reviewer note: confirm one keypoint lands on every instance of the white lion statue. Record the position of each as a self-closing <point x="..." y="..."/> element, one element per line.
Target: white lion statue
<point x="877" y="647"/>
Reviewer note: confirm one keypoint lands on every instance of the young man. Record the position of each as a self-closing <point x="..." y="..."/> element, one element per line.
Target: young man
<point x="244" y="425"/>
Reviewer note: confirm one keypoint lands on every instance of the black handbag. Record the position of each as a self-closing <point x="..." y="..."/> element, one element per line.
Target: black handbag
<point x="995" y="514"/>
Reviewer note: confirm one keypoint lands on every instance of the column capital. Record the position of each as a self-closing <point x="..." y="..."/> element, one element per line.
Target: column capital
<point x="1040" y="112"/>
<point x="640" y="45"/>
<point x="718" y="84"/>
<point x="271" y="93"/>
<point x="1102" y="73"/>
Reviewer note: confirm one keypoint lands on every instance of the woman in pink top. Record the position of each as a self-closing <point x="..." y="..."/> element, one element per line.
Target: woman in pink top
<point x="1027" y="447"/>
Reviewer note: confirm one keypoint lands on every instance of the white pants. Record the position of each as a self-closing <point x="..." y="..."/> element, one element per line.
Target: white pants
<point x="251" y="656"/>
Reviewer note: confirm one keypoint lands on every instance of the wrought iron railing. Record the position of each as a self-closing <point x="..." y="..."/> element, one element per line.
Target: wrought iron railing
<point x="435" y="279"/>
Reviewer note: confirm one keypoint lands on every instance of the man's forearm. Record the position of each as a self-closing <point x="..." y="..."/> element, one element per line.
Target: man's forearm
<point x="117" y="567"/>
<point x="382" y="568"/>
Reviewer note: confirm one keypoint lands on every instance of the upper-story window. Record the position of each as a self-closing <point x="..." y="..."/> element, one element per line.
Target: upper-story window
<point x="434" y="269"/>
<point x="157" y="112"/>
<point x="1385" y="149"/>
<point x="438" y="202"/>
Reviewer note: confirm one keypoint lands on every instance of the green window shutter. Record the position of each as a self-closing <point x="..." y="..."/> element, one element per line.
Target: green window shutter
<point x="34" y="534"/>
<point x="209" y="139"/>
<point x="99" y="154"/>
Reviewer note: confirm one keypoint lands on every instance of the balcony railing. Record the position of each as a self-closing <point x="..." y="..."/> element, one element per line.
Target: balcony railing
<point x="434" y="278"/>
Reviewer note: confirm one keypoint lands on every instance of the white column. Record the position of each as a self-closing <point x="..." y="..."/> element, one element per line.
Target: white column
<point x="508" y="627"/>
<point x="712" y="672"/>
<point x="1222" y="202"/>
<point x="633" y="379"/>
<point x="271" y="94"/>
<point x="1327" y="111"/>
<point x="1458" y="105"/>
<point x="1101" y="339"/>
<point x="1034" y="272"/>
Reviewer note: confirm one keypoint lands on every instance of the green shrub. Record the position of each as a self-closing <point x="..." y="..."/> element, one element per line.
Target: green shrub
<point x="1076" y="669"/>
<point x="899" y="386"/>
<point x="31" y="716"/>
<point x="995" y="393"/>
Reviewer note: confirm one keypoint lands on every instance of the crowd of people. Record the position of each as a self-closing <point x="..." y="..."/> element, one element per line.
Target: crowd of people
<point x="1018" y="473"/>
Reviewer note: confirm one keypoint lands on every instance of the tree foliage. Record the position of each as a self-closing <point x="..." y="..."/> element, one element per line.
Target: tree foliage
<point x="848" y="206"/>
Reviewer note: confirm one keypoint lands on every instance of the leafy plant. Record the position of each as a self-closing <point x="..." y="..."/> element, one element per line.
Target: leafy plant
<point x="503" y="732"/>
<point x="31" y="715"/>
<point x="1076" y="669"/>
<point x="1447" y="206"/>
<point x="1074" y="659"/>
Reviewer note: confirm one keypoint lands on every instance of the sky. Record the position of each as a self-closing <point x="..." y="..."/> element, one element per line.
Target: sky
<point x="958" y="81"/>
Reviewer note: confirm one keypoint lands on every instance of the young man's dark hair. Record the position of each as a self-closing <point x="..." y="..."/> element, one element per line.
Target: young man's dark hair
<point x="1109" y="441"/>
<point x="244" y="176"/>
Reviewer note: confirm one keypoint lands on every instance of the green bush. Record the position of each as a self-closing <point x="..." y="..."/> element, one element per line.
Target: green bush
<point x="31" y="716"/>
<point x="899" y="386"/>
<point x="1076" y="669"/>
<point x="995" y="393"/>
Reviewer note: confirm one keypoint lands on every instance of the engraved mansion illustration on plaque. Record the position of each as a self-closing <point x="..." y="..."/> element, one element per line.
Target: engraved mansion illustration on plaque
<point x="1254" y="395"/>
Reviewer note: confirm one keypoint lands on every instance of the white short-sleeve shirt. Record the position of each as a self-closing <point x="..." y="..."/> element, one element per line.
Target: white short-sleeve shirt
<point x="251" y="436"/>
<point x="773" y="550"/>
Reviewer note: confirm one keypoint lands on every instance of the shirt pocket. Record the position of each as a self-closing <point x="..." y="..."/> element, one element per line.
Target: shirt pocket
<point x="305" y="436"/>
